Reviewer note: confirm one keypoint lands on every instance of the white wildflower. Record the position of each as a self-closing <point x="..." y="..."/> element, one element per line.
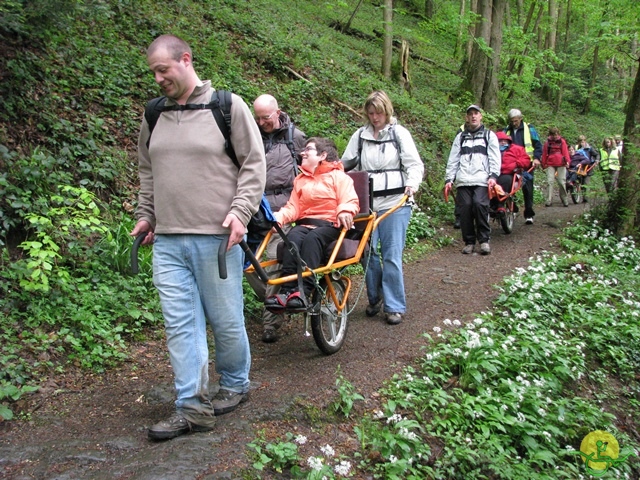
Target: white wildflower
<point x="395" y="418"/>
<point x="447" y="322"/>
<point x="301" y="440"/>
<point x="315" y="463"/>
<point x="437" y="329"/>
<point x="343" y="468"/>
<point x="328" y="450"/>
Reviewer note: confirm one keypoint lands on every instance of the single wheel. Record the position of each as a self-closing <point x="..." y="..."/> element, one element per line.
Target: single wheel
<point x="576" y="193"/>
<point x="508" y="218"/>
<point x="328" y="326"/>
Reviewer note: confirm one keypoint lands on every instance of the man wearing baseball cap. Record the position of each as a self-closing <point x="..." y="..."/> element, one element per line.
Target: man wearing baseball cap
<point x="473" y="166"/>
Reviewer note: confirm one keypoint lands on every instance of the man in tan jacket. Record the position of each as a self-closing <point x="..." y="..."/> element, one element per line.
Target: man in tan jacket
<point x="191" y="194"/>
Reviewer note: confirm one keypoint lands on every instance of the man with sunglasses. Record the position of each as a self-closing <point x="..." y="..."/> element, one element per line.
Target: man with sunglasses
<point x="283" y="143"/>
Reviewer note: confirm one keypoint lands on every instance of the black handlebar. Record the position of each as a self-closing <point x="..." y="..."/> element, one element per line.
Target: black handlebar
<point x="134" y="252"/>
<point x="222" y="259"/>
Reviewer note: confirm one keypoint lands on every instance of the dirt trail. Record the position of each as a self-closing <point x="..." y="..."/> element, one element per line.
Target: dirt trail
<point x="94" y="426"/>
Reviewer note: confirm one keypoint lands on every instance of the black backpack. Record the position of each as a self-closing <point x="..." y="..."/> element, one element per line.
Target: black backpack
<point x="220" y="106"/>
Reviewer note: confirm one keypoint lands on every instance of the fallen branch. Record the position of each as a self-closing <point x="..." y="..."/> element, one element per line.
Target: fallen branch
<point x="355" y="112"/>
<point x="291" y="70"/>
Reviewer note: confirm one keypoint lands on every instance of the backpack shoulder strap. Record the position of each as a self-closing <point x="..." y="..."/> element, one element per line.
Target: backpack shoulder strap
<point x="152" y="112"/>
<point x="291" y="147"/>
<point x="221" y="110"/>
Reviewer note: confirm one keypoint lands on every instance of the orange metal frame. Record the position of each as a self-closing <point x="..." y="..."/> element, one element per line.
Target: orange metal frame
<point x="372" y="220"/>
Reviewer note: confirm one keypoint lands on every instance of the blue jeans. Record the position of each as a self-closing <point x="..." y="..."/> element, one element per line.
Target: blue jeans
<point x="185" y="272"/>
<point x="384" y="274"/>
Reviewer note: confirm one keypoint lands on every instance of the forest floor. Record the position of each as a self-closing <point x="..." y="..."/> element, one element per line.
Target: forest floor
<point x="94" y="426"/>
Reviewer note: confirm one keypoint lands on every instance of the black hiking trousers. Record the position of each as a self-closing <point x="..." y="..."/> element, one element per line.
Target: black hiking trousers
<point x="474" y="214"/>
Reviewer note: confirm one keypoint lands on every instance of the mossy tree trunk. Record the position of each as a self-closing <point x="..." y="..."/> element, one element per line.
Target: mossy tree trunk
<point x="387" y="48"/>
<point x="624" y="205"/>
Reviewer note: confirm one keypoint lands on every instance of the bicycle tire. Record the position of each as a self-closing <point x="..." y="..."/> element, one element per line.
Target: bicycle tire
<point x="329" y="327"/>
<point x="507" y="219"/>
<point x="576" y="193"/>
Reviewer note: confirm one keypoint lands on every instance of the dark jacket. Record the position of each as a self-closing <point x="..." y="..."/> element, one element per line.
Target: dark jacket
<point x="281" y="164"/>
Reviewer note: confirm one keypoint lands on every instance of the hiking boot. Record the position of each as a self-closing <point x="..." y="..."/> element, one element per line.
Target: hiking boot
<point x="373" y="309"/>
<point x="485" y="248"/>
<point x="177" y="425"/>
<point x="528" y="221"/>
<point x="468" y="249"/>
<point x="226" y="401"/>
<point x="456" y="224"/>
<point x="269" y="335"/>
<point x="394" y="318"/>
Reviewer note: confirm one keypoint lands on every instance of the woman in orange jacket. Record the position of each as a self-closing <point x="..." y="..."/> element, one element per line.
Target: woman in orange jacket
<point x="322" y="202"/>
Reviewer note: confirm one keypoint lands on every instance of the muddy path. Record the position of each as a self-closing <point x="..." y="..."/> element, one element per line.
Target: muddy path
<point x="91" y="426"/>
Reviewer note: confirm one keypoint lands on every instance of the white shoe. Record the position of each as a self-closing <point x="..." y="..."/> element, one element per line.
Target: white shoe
<point x="528" y="221"/>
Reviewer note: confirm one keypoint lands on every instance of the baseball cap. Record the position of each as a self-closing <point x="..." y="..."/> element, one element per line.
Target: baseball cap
<point x="474" y="107"/>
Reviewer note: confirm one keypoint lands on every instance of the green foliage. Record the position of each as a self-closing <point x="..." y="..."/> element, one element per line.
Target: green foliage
<point x="278" y="456"/>
<point x="347" y="396"/>
<point x="511" y="394"/>
<point x="61" y="232"/>
<point x="74" y="82"/>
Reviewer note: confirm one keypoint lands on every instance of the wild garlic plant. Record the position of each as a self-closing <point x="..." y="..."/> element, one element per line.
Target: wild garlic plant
<point x="511" y="394"/>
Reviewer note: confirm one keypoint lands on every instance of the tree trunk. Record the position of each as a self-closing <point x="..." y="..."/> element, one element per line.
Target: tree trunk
<point x="594" y="73"/>
<point x="346" y="27"/>
<point x="490" y="92"/>
<point x="387" y="49"/>
<point x="457" y="48"/>
<point x="520" y="11"/>
<point x="479" y="61"/>
<point x="550" y="44"/>
<point x="429" y="8"/>
<point x="535" y="28"/>
<point x="565" y="44"/>
<point x="405" y="79"/>
<point x="542" y="39"/>
<point x="514" y="62"/>
<point x="624" y="205"/>
<point x="472" y="32"/>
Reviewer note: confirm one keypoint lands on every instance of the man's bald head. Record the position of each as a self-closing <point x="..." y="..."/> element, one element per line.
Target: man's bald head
<point x="175" y="46"/>
<point x="267" y="113"/>
<point x="265" y="101"/>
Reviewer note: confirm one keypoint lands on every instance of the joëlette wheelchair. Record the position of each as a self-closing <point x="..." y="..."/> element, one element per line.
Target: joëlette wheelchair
<point x="577" y="188"/>
<point x="327" y="310"/>
<point x="507" y="217"/>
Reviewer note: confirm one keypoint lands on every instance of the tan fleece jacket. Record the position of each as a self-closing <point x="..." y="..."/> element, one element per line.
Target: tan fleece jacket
<point x="188" y="184"/>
